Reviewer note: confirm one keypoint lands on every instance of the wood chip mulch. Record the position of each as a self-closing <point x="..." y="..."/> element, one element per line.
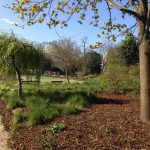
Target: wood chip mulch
<point x="110" y="124"/>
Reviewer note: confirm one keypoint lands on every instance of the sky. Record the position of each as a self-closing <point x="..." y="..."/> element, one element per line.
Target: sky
<point x="42" y="33"/>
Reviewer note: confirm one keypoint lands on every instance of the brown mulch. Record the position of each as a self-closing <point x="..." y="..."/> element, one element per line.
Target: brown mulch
<point x="110" y="124"/>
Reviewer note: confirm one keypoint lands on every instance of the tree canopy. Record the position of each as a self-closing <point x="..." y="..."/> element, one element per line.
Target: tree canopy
<point x="19" y="56"/>
<point x="128" y="50"/>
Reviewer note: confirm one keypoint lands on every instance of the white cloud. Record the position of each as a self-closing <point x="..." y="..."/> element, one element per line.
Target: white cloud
<point x="8" y="21"/>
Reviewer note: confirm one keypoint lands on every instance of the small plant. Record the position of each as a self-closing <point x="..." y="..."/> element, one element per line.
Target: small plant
<point x="55" y="128"/>
<point x="104" y="131"/>
<point x="43" y="144"/>
<point x="123" y="139"/>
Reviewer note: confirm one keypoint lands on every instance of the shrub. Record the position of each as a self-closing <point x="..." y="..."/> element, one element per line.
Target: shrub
<point x="55" y="128"/>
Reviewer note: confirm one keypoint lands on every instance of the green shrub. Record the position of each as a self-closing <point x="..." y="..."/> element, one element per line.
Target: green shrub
<point x="55" y="128"/>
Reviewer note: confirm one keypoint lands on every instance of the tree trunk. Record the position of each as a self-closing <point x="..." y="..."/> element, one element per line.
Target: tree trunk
<point x="67" y="77"/>
<point x="19" y="83"/>
<point x="144" y="51"/>
<point x="18" y="76"/>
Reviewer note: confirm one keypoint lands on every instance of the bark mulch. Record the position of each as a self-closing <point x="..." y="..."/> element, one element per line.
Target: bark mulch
<point x="111" y="123"/>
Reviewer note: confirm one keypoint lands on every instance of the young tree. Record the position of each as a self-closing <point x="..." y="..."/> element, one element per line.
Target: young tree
<point x="65" y="54"/>
<point x="85" y="46"/>
<point x="37" y="11"/>
<point x="19" y="56"/>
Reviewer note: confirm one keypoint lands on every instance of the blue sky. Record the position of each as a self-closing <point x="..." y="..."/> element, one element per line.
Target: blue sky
<point x="41" y="32"/>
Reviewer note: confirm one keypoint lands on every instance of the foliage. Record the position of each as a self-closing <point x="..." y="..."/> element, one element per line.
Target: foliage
<point x="128" y="50"/>
<point x="93" y="61"/>
<point x="22" y="50"/>
<point x="118" y="77"/>
<point x="37" y="12"/>
<point x="56" y="128"/>
<point x="18" y="56"/>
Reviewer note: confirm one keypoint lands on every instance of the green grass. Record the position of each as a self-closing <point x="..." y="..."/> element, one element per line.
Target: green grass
<point x="50" y="100"/>
<point x="74" y="104"/>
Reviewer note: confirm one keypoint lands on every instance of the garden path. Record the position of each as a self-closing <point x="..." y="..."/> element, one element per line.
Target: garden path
<point x="4" y="136"/>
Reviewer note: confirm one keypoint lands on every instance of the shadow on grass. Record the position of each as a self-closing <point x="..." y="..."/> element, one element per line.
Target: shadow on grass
<point x="90" y="98"/>
<point x="110" y="101"/>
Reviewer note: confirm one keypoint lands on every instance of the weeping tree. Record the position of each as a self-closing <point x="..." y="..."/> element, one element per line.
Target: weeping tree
<point x="18" y="56"/>
<point x="36" y="11"/>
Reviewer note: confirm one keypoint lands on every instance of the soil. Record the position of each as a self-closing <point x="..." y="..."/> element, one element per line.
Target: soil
<point x="112" y="123"/>
<point x="4" y="136"/>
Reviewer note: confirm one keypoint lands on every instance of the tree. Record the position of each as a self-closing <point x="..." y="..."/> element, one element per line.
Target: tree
<point x="19" y="56"/>
<point x="103" y="50"/>
<point x="36" y="12"/>
<point x="84" y="45"/>
<point x="93" y="61"/>
<point x="65" y="54"/>
<point x="128" y="50"/>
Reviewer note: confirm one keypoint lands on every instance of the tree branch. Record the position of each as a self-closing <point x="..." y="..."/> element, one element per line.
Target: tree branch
<point x="128" y="11"/>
